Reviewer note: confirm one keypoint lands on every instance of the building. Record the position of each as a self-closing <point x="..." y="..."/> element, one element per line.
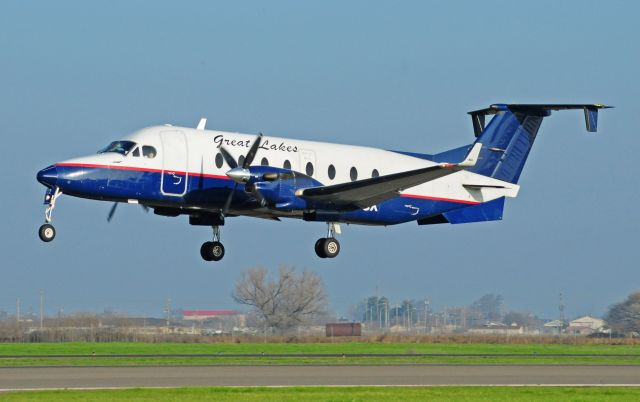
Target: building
<point x="554" y="327"/>
<point x="343" y="329"/>
<point x="217" y="318"/>
<point x="496" y="328"/>
<point x="586" y="325"/>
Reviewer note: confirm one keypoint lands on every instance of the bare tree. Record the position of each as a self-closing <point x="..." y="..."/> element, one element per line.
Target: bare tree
<point x="522" y="318"/>
<point x="283" y="302"/>
<point x="488" y="307"/>
<point x="625" y="317"/>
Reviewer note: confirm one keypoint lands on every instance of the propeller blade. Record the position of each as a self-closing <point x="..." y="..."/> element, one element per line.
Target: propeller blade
<point x="112" y="211"/>
<point x="227" y="203"/>
<point x="248" y="159"/>
<point x="251" y="188"/>
<point x="259" y="198"/>
<point x="228" y="158"/>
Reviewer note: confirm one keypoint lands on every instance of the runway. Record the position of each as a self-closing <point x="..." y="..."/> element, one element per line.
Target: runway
<point x="15" y="378"/>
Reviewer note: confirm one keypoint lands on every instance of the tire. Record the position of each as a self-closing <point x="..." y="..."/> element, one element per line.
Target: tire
<point x="217" y="251"/>
<point x="47" y="232"/>
<point x="205" y="251"/>
<point x="331" y="247"/>
<point x="319" y="248"/>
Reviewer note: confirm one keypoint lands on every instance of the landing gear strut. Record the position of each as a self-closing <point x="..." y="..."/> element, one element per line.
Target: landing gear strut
<point x="329" y="247"/>
<point x="213" y="250"/>
<point x="47" y="232"/>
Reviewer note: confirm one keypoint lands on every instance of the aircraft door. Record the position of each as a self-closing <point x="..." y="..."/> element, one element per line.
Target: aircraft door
<point x="174" y="163"/>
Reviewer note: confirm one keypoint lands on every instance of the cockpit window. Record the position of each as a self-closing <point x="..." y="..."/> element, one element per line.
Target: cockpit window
<point x="136" y="152"/>
<point x="121" y="147"/>
<point x="148" y="151"/>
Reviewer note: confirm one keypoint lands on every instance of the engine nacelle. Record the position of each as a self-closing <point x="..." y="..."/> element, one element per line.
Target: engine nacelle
<point x="279" y="188"/>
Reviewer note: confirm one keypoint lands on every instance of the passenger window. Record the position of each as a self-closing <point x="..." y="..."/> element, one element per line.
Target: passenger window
<point x="309" y="169"/>
<point x="287" y="164"/>
<point x="264" y="162"/>
<point x="148" y="151"/>
<point x="353" y="173"/>
<point x="136" y="152"/>
<point x="219" y="160"/>
<point x="375" y="173"/>
<point x="332" y="172"/>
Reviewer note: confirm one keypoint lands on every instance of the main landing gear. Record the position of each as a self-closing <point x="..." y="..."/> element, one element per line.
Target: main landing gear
<point x="47" y="232"/>
<point x="213" y="250"/>
<point x="329" y="247"/>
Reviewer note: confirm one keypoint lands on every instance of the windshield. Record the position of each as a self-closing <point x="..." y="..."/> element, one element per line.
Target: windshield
<point x="121" y="147"/>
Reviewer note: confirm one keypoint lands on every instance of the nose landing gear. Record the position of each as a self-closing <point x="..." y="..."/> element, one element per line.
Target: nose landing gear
<point x="329" y="247"/>
<point x="213" y="250"/>
<point x="47" y="232"/>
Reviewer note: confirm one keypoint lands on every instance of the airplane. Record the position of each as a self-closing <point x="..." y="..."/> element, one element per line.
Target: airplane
<point x="214" y="175"/>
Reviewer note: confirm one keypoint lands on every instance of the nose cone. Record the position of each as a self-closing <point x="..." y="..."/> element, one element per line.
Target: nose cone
<point x="48" y="176"/>
<point x="239" y="175"/>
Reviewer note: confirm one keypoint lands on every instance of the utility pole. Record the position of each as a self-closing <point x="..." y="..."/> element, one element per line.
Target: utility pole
<point x="167" y="310"/>
<point x="464" y="318"/>
<point x="41" y="307"/>
<point x="386" y="313"/>
<point x="561" y="309"/>
<point x="18" y="310"/>
<point x="377" y="317"/>
<point x="426" y="305"/>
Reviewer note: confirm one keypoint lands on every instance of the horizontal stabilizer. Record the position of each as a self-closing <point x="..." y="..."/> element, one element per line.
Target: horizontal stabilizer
<point x="484" y="188"/>
<point x="590" y="113"/>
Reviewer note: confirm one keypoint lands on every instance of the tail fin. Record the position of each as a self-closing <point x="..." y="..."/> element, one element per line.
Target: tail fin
<point x="510" y="134"/>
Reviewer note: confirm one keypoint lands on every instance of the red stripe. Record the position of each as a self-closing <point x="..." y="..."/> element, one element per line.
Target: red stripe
<point x="426" y="197"/>
<point x="140" y="169"/>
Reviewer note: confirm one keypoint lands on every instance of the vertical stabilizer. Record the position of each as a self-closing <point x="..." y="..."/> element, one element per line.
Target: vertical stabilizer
<point x="510" y="134"/>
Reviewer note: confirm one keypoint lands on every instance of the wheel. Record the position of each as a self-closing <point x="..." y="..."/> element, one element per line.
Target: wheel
<point x="330" y="247"/>
<point x="47" y="232"/>
<point x="205" y="250"/>
<point x="318" y="248"/>
<point x="217" y="251"/>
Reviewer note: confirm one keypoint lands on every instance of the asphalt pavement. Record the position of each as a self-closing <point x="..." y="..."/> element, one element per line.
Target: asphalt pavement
<point x="12" y="378"/>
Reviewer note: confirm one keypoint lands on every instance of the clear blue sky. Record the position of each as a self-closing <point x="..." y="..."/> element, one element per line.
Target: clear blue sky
<point x="396" y="75"/>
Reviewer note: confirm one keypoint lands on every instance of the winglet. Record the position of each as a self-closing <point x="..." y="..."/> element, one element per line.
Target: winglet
<point x="201" y="124"/>
<point x="472" y="156"/>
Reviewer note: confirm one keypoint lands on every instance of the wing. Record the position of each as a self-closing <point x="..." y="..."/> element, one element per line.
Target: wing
<point x="367" y="192"/>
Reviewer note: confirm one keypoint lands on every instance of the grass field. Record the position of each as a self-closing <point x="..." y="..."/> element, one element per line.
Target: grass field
<point x="456" y="353"/>
<point x="337" y="394"/>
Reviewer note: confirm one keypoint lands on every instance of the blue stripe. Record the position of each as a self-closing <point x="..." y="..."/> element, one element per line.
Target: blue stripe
<point x="210" y="192"/>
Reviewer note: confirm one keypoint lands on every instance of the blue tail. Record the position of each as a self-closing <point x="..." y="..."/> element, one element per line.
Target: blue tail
<point x="506" y="143"/>
<point x="509" y="136"/>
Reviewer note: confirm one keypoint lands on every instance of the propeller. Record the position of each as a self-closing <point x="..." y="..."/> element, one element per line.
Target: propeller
<point x="241" y="174"/>
<point x="112" y="211"/>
